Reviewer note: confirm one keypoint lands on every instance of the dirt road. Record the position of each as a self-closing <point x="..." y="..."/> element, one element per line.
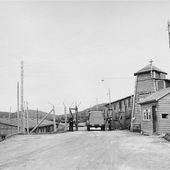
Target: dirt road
<point x="85" y="150"/>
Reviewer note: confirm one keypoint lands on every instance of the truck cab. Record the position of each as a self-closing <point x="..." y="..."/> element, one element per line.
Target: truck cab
<point x="96" y="119"/>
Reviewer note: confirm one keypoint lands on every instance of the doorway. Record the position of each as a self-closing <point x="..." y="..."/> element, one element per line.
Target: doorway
<point x="154" y="118"/>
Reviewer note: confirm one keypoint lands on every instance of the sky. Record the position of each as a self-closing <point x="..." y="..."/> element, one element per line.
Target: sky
<point x="68" y="47"/>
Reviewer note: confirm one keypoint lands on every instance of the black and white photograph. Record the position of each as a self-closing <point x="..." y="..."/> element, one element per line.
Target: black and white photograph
<point x="85" y="85"/>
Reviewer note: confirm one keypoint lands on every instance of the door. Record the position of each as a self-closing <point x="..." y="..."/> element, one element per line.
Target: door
<point x="154" y="118"/>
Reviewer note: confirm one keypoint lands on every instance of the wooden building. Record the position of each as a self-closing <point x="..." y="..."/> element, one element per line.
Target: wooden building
<point x="155" y="112"/>
<point x="148" y="80"/>
<point x="120" y="111"/>
<point x="7" y="129"/>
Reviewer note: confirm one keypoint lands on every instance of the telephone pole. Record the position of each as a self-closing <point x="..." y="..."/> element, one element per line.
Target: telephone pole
<point x="22" y="97"/>
<point x="37" y="116"/>
<point x="55" y="128"/>
<point x="27" y="113"/>
<point x="169" y="33"/>
<point x="65" y="115"/>
<point x="18" y="117"/>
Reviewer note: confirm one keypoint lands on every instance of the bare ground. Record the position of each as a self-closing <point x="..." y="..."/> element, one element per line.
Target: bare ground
<point x="120" y="150"/>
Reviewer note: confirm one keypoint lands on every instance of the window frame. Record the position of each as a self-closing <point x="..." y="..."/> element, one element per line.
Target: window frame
<point x="147" y="114"/>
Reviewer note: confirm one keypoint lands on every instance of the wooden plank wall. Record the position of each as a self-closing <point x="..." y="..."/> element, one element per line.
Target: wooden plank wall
<point x="124" y="112"/>
<point x="7" y="130"/>
<point x="164" y="108"/>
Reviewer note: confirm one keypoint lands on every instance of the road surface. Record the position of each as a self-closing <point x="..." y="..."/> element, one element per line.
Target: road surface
<point x="119" y="150"/>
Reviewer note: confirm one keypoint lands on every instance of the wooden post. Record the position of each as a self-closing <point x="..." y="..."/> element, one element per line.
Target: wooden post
<point x="27" y="120"/>
<point x="18" y="117"/>
<point x="65" y="113"/>
<point x="169" y="33"/>
<point x="9" y="119"/>
<point x="55" y="129"/>
<point x="37" y="116"/>
<point x="22" y="97"/>
<point x="76" y="110"/>
<point x="133" y="106"/>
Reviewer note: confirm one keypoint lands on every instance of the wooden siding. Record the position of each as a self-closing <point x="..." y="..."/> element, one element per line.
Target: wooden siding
<point x="144" y="87"/>
<point x="7" y="130"/>
<point x="143" y="76"/>
<point x="164" y="108"/>
<point x="122" y="113"/>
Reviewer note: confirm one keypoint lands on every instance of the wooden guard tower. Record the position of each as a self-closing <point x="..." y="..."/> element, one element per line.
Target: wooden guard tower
<point x="148" y="80"/>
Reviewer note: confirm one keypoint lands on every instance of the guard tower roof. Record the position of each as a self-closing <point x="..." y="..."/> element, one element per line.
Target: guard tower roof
<point x="148" y="69"/>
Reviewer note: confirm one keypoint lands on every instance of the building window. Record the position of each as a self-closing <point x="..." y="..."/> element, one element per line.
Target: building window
<point x="164" y="116"/>
<point x="146" y="114"/>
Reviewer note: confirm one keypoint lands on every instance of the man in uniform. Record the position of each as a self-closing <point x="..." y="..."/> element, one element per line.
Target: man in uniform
<point x="71" y="124"/>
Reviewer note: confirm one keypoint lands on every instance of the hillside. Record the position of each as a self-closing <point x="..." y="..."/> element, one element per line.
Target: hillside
<point x="33" y="116"/>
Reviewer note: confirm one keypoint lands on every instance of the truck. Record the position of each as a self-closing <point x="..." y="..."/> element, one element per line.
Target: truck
<point x="96" y="119"/>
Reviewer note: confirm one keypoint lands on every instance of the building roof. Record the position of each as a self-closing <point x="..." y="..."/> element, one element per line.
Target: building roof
<point x="119" y="100"/>
<point x="154" y="97"/>
<point x="148" y="69"/>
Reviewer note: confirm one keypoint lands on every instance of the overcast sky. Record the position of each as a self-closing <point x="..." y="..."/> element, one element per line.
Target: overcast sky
<point x="69" y="47"/>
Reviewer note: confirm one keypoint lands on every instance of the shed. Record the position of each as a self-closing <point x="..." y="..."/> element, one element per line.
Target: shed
<point x="155" y="112"/>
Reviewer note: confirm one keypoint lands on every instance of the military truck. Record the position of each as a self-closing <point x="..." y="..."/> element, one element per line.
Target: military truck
<point x="96" y="119"/>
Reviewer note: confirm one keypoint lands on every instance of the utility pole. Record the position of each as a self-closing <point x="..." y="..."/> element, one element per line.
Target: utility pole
<point x="151" y="61"/>
<point x="152" y="77"/>
<point x="27" y="119"/>
<point x="9" y="119"/>
<point x="76" y="110"/>
<point x="9" y="116"/>
<point x="65" y="114"/>
<point x="169" y="33"/>
<point x="109" y="97"/>
<point x="37" y="116"/>
<point x="55" y="129"/>
<point x="22" y="96"/>
<point x="18" y="117"/>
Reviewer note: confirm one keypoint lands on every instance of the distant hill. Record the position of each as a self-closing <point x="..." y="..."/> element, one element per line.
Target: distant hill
<point x="82" y="115"/>
<point x="32" y="115"/>
<point x="11" y="118"/>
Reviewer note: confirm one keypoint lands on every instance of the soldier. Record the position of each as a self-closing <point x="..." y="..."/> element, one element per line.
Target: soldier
<point x="71" y="124"/>
<point x="109" y="122"/>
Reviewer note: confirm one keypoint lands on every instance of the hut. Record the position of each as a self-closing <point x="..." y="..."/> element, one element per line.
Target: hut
<point x="155" y="112"/>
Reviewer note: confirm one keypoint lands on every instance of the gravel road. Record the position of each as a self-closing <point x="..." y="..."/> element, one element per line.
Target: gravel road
<point x="119" y="150"/>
